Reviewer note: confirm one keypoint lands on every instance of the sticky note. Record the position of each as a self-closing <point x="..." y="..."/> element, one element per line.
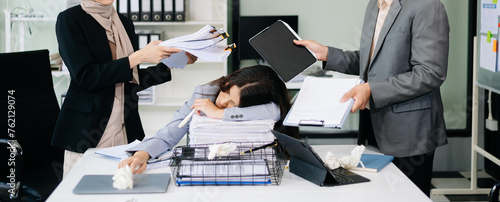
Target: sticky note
<point x="495" y="46"/>
<point x="488" y="37"/>
<point x="495" y="1"/>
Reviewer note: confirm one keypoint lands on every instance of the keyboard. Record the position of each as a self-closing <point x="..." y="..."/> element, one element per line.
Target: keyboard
<point x="341" y="176"/>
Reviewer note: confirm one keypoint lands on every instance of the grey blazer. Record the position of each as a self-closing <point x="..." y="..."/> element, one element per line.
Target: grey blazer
<point x="167" y="137"/>
<point x="408" y="66"/>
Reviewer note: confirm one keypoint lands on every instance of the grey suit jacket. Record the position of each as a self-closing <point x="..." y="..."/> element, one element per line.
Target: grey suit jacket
<point x="407" y="68"/>
<point x="167" y="137"/>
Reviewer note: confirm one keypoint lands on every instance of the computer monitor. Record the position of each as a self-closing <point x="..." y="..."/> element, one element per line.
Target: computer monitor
<point x="249" y="26"/>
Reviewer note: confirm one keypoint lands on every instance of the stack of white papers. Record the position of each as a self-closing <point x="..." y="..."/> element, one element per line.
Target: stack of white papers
<point x="203" y="130"/>
<point x="202" y="44"/>
<point x="318" y="103"/>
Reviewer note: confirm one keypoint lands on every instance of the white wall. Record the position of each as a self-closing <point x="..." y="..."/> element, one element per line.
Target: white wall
<point x="42" y="32"/>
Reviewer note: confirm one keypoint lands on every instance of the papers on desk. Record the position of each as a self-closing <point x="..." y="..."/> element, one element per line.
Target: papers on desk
<point x="318" y="102"/>
<point x="119" y="152"/>
<point x="204" y="130"/>
<point x="202" y="44"/>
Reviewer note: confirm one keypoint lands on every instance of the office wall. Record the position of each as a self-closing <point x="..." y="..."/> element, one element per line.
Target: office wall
<point x="42" y="34"/>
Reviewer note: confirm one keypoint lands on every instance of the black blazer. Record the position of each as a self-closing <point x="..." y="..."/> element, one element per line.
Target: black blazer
<point x="85" y="50"/>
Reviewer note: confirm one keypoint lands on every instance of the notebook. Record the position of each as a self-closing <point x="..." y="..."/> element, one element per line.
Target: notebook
<point x="373" y="162"/>
<point x="275" y="45"/>
<point x="103" y="184"/>
<point x="305" y="163"/>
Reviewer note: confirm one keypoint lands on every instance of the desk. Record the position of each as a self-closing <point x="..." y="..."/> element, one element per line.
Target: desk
<point x="390" y="184"/>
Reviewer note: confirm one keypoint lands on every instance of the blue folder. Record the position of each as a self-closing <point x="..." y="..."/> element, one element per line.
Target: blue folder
<point x="374" y="162"/>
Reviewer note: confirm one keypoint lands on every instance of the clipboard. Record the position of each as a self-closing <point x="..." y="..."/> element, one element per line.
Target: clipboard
<point x="317" y="103"/>
<point x="275" y="45"/>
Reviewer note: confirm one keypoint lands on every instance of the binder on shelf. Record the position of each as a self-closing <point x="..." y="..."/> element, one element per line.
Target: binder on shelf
<point x="373" y="162"/>
<point x="168" y="10"/>
<point x="157" y="10"/>
<point x="122" y="6"/>
<point x="154" y="37"/>
<point x="180" y="10"/>
<point x="143" y="39"/>
<point x="145" y="10"/>
<point x="135" y="10"/>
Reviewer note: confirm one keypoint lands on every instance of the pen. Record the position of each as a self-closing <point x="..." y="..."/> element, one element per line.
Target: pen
<point x="186" y="119"/>
<point x="158" y="160"/>
<point x="272" y="144"/>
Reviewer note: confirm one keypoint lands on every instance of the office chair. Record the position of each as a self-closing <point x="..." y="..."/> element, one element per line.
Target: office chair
<point x="32" y="112"/>
<point x="493" y="197"/>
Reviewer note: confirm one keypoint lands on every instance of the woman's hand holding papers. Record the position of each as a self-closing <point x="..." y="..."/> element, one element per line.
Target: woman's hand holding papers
<point x="137" y="162"/>
<point x="152" y="53"/>
<point x="318" y="49"/>
<point x="191" y="58"/>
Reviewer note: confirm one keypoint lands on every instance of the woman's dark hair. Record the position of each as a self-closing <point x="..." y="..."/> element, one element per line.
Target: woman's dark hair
<point x="260" y="85"/>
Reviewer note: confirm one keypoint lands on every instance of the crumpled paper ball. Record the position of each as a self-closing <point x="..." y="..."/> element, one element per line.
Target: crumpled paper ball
<point x="220" y="150"/>
<point x="347" y="162"/>
<point x="123" y="178"/>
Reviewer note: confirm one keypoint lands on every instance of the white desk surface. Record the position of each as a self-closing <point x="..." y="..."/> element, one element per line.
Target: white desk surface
<point x="389" y="184"/>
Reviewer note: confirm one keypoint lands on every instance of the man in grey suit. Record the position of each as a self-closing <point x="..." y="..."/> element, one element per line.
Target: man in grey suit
<point x="403" y="58"/>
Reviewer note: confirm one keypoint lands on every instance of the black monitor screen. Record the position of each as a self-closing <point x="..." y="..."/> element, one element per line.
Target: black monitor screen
<point x="251" y="25"/>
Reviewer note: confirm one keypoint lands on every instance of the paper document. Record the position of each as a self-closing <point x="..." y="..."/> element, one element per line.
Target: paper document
<point x="489" y="17"/>
<point x="204" y="130"/>
<point x="318" y="102"/>
<point x="202" y="44"/>
<point x="119" y="152"/>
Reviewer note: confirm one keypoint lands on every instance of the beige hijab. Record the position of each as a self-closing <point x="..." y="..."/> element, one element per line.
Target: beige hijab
<point x="107" y="17"/>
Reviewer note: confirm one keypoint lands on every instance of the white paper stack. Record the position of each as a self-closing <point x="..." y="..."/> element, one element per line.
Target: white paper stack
<point x="203" y="130"/>
<point x="202" y="44"/>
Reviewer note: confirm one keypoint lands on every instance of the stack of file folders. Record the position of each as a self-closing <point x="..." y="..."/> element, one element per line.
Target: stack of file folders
<point x="202" y="44"/>
<point x="153" y="10"/>
<point x="203" y="130"/>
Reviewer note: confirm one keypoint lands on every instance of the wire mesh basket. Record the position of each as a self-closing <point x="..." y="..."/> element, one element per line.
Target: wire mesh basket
<point x="190" y="165"/>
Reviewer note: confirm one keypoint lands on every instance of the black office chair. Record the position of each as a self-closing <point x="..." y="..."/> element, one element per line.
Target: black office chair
<point x="493" y="197"/>
<point x="31" y="111"/>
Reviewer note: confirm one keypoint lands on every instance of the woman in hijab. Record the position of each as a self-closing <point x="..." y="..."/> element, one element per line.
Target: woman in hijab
<point x="100" y="49"/>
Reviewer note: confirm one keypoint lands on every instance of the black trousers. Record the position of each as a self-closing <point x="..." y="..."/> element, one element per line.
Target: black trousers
<point x="418" y="168"/>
